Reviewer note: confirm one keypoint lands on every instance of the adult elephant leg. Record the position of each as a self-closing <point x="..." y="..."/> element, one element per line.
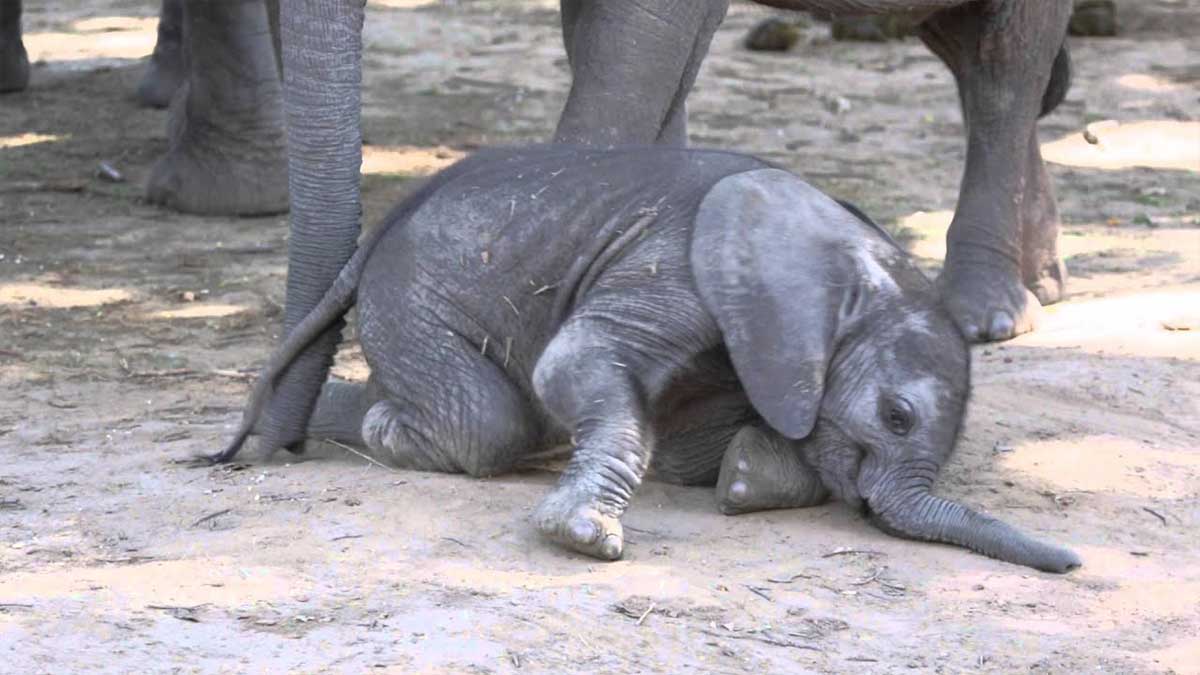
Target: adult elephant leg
<point x="1001" y="53"/>
<point x="226" y="154"/>
<point x="633" y="63"/>
<point x="14" y="62"/>
<point x="322" y="59"/>
<point x="165" y="71"/>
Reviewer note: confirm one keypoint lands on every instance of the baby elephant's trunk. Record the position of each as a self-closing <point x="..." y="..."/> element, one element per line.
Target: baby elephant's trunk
<point x="917" y="514"/>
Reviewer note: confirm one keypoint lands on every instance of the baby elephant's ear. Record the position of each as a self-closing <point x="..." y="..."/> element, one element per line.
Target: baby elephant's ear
<point x="768" y="255"/>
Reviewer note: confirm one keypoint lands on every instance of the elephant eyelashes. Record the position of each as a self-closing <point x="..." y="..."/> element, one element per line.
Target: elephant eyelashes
<point x="898" y="416"/>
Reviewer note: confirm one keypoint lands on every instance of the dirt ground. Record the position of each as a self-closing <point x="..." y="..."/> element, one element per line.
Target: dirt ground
<point x="128" y="335"/>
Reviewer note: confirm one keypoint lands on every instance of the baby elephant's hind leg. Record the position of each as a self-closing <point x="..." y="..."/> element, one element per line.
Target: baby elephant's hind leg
<point x="763" y="470"/>
<point x="450" y="410"/>
<point x="340" y="412"/>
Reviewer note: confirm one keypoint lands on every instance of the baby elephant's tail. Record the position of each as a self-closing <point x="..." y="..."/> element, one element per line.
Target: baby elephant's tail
<point x="335" y="303"/>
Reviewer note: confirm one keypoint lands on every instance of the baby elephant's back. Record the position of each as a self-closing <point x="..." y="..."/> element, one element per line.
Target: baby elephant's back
<point x="498" y="234"/>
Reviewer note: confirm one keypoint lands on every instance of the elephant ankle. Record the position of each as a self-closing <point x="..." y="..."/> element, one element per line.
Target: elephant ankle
<point x="14" y="65"/>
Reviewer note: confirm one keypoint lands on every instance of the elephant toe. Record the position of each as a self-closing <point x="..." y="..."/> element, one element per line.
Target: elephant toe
<point x="577" y="524"/>
<point x="1001" y="326"/>
<point x="989" y="307"/>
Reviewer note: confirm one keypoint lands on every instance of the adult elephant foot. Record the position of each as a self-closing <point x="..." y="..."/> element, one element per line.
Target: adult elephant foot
<point x="165" y="72"/>
<point x="227" y="152"/>
<point x="1008" y="59"/>
<point x="761" y="471"/>
<point x="14" y="62"/>
<point x="220" y="166"/>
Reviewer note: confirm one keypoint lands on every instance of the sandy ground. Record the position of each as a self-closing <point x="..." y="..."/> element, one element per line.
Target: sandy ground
<point x="128" y="333"/>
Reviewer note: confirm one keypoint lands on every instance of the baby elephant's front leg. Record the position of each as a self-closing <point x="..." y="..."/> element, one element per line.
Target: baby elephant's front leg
<point x="762" y="470"/>
<point x="584" y="382"/>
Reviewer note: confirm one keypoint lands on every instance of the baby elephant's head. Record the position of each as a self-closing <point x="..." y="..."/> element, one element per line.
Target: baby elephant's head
<point x="839" y="340"/>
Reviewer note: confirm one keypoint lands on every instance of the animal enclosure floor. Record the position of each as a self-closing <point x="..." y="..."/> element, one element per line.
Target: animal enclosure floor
<point x="129" y="334"/>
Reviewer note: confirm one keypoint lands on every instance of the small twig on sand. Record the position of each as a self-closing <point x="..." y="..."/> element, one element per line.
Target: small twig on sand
<point x="850" y="551"/>
<point x="347" y="536"/>
<point x="43" y="186"/>
<point x="791" y="578"/>
<point x="645" y="614"/>
<point x="356" y="452"/>
<point x="862" y="659"/>
<point x="214" y="514"/>
<point x="456" y="541"/>
<point x="178" y="608"/>
<point x="152" y="374"/>
<point x="765" y="638"/>
<point x="18" y="605"/>
<point x="1156" y="514"/>
<point x="182" y="613"/>
<point x="866" y="580"/>
<point x="760" y="592"/>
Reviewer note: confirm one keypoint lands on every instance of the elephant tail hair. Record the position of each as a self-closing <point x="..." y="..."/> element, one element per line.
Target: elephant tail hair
<point x="333" y="306"/>
<point x="1060" y="81"/>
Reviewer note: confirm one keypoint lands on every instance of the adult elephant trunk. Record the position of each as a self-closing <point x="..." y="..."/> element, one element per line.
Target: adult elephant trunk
<point x="914" y="513"/>
<point x="322" y="76"/>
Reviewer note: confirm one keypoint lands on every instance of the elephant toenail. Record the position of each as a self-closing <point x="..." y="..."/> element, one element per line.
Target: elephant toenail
<point x="738" y="491"/>
<point x="1002" y="325"/>
<point x="611" y="548"/>
<point x="583" y="530"/>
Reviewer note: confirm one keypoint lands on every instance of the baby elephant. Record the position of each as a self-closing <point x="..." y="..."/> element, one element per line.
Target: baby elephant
<point x="696" y="313"/>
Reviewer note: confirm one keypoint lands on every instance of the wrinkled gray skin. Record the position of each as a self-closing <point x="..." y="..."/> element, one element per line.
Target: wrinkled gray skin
<point x="664" y="309"/>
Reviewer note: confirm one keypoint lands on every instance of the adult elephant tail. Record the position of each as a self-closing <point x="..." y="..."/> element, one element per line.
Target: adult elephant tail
<point x="1060" y="81"/>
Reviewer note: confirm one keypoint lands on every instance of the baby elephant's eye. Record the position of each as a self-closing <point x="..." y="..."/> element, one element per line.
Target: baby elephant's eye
<point x="898" y="416"/>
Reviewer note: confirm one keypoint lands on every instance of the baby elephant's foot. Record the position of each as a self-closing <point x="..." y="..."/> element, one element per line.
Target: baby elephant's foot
<point x="761" y="471"/>
<point x="572" y="519"/>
